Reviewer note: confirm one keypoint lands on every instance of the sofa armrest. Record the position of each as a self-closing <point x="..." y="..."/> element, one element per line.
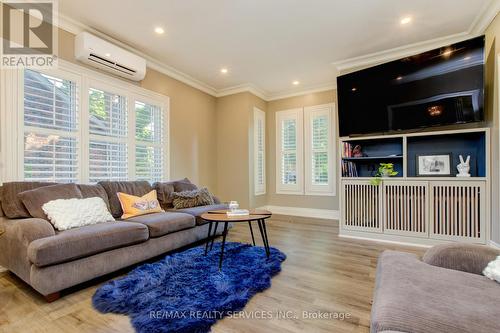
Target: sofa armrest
<point x="25" y="230"/>
<point x="461" y="257"/>
<point x="14" y="241"/>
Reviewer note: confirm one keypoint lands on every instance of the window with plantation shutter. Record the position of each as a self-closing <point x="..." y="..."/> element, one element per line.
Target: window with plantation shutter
<point x="50" y="128"/>
<point x="259" y="152"/>
<point x="289" y="141"/>
<point x="319" y="141"/>
<point x="70" y="124"/>
<point x="149" y="149"/>
<point x="108" y="136"/>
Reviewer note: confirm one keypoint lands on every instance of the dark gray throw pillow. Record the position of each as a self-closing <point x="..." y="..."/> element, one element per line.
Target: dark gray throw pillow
<point x="194" y="198"/>
<point x="165" y="190"/>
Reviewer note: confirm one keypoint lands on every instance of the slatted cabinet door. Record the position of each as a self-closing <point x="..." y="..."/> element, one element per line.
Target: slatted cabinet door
<point x="406" y="208"/>
<point x="458" y="211"/>
<point x="361" y="206"/>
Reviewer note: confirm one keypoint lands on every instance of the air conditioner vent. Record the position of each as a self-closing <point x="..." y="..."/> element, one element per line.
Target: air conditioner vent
<point x="89" y="49"/>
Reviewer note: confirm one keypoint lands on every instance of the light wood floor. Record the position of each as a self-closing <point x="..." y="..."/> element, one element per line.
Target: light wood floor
<point x="322" y="274"/>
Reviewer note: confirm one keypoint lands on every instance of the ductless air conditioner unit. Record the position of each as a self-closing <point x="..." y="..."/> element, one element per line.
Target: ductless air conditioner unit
<point x="109" y="57"/>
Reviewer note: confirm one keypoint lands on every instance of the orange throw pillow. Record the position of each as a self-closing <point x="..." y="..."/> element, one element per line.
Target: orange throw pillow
<point x="135" y="206"/>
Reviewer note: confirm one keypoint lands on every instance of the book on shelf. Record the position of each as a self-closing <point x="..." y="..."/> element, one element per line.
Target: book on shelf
<point x="347" y="150"/>
<point x="349" y="169"/>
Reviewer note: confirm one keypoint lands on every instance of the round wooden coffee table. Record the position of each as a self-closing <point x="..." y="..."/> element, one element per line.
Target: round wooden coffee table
<point x="220" y="216"/>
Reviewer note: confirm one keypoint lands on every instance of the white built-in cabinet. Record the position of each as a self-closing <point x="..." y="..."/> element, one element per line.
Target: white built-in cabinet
<point x="421" y="210"/>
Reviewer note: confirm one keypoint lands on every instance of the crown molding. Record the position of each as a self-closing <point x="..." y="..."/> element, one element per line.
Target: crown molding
<point x="303" y="91"/>
<point x="351" y="64"/>
<point x="247" y="87"/>
<point x="485" y="17"/>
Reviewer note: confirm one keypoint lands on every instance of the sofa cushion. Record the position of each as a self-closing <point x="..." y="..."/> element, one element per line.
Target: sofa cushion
<point x="33" y="200"/>
<point x="92" y="191"/>
<point x="160" y="224"/>
<point x="12" y="205"/>
<point x="165" y="190"/>
<point x="412" y="296"/>
<point x="198" y="211"/>
<point x="85" y="241"/>
<point x="137" y="188"/>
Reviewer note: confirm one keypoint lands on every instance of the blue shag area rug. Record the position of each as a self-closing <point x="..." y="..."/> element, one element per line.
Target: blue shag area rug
<point x="185" y="292"/>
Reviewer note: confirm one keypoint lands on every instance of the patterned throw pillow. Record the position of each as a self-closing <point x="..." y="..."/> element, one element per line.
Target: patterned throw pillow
<point x="135" y="206"/>
<point x="194" y="198"/>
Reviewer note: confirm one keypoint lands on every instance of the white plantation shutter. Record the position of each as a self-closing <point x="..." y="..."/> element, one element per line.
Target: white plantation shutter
<point x="107" y="161"/>
<point x="319" y="149"/>
<point x="70" y="125"/>
<point x="290" y="149"/>
<point x="259" y="152"/>
<point x="289" y="152"/>
<point x="108" y="136"/>
<point x="149" y="150"/>
<point x="50" y="128"/>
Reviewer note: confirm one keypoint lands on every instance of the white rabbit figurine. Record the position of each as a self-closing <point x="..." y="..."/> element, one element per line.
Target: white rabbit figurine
<point x="464" y="167"/>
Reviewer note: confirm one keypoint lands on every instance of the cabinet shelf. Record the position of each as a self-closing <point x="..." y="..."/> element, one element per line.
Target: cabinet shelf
<point x="372" y="158"/>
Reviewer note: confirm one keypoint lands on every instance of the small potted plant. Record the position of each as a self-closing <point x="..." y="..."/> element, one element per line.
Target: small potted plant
<point x="384" y="170"/>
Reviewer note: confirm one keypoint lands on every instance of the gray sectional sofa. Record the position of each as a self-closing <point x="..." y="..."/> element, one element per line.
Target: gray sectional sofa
<point x="50" y="260"/>
<point x="444" y="292"/>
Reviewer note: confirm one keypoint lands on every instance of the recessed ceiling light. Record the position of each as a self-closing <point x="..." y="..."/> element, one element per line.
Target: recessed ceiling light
<point x="295" y="83"/>
<point x="159" y="30"/>
<point x="108" y="55"/>
<point x="354" y="89"/>
<point x="223" y="70"/>
<point x="399" y="78"/>
<point x="405" y="20"/>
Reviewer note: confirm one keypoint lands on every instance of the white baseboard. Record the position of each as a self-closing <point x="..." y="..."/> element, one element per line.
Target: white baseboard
<point x="304" y="212"/>
<point x="392" y="240"/>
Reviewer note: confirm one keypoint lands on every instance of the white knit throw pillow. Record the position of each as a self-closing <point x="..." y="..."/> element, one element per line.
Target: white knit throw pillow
<point x="66" y="214"/>
<point x="492" y="271"/>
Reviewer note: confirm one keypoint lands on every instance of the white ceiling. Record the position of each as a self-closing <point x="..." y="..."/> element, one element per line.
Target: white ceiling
<point x="270" y="43"/>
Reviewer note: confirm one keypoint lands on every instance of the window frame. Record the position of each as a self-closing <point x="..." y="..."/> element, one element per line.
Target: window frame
<point x="259" y="115"/>
<point x="165" y="145"/>
<point x="12" y="123"/>
<point x="61" y="74"/>
<point x="309" y="114"/>
<point x="298" y="187"/>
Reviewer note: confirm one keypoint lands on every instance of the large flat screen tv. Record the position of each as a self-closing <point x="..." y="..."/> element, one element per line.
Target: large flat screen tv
<point x="439" y="87"/>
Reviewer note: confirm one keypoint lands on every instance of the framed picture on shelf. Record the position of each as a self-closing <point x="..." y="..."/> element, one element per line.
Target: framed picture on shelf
<point x="433" y="165"/>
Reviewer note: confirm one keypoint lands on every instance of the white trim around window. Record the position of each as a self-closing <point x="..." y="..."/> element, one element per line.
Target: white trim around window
<point x="12" y="125"/>
<point x="289" y="152"/>
<point x="259" y="149"/>
<point x="319" y="138"/>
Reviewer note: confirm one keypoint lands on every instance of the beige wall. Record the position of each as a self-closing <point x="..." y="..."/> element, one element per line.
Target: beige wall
<point x="492" y="112"/>
<point x="235" y="148"/>
<point x="193" y="145"/>
<point x="317" y="202"/>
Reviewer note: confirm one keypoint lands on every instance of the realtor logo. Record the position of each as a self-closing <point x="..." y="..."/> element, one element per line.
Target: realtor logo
<point x="29" y="33"/>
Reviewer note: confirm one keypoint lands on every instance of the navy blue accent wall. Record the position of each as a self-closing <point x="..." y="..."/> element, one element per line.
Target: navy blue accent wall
<point x="464" y="144"/>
